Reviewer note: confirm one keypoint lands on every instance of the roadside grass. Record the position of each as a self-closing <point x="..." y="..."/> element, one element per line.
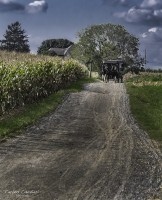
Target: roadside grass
<point x="146" y="105"/>
<point x="13" y="123"/>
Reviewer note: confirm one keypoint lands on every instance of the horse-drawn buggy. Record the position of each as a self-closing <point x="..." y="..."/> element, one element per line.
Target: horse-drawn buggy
<point x="112" y="69"/>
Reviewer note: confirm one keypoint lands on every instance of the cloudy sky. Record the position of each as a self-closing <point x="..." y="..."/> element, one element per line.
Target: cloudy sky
<point x="49" y="19"/>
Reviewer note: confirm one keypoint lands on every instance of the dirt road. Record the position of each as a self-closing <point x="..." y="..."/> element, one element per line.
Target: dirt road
<point x="88" y="149"/>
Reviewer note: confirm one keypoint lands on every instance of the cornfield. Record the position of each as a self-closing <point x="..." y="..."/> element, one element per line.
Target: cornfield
<point x="26" y="78"/>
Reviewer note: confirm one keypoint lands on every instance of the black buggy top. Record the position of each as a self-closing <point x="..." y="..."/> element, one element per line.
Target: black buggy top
<point x="117" y="65"/>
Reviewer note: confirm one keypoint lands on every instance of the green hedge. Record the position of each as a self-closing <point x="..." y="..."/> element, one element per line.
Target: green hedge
<point x="28" y="81"/>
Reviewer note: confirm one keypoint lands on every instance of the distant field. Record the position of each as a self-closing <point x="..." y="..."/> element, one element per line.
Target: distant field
<point x="145" y="92"/>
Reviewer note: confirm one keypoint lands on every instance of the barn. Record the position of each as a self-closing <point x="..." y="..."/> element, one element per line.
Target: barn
<point x="62" y="52"/>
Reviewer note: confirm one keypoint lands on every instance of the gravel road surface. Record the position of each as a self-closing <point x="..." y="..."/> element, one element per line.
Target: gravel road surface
<point x="90" y="148"/>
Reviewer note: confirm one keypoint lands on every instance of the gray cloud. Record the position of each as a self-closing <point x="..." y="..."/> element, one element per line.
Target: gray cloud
<point x="33" y="7"/>
<point x="37" y="6"/>
<point x="8" y="5"/>
<point x="153" y="34"/>
<point x="142" y="16"/>
<point x="149" y="12"/>
<point x="151" y="4"/>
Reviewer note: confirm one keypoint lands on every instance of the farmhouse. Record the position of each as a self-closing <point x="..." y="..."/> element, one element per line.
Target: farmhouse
<point x="62" y="52"/>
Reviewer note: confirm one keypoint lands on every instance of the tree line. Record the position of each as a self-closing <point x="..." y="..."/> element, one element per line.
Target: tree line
<point x="16" y="39"/>
<point x="95" y="44"/>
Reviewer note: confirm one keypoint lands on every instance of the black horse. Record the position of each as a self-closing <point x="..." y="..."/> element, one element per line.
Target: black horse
<point x="111" y="72"/>
<point x="118" y="77"/>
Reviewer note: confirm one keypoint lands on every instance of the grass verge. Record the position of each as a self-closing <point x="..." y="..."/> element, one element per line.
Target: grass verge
<point x="146" y="106"/>
<point x="13" y="124"/>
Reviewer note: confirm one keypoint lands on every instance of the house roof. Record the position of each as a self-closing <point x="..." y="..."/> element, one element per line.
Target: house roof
<point x="60" y="51"/>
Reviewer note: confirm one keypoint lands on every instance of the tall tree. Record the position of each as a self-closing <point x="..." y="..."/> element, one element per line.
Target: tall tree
<point x="53" y="43"/>
<point x="15" y="39"/>
<point x="106" y="41"/>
